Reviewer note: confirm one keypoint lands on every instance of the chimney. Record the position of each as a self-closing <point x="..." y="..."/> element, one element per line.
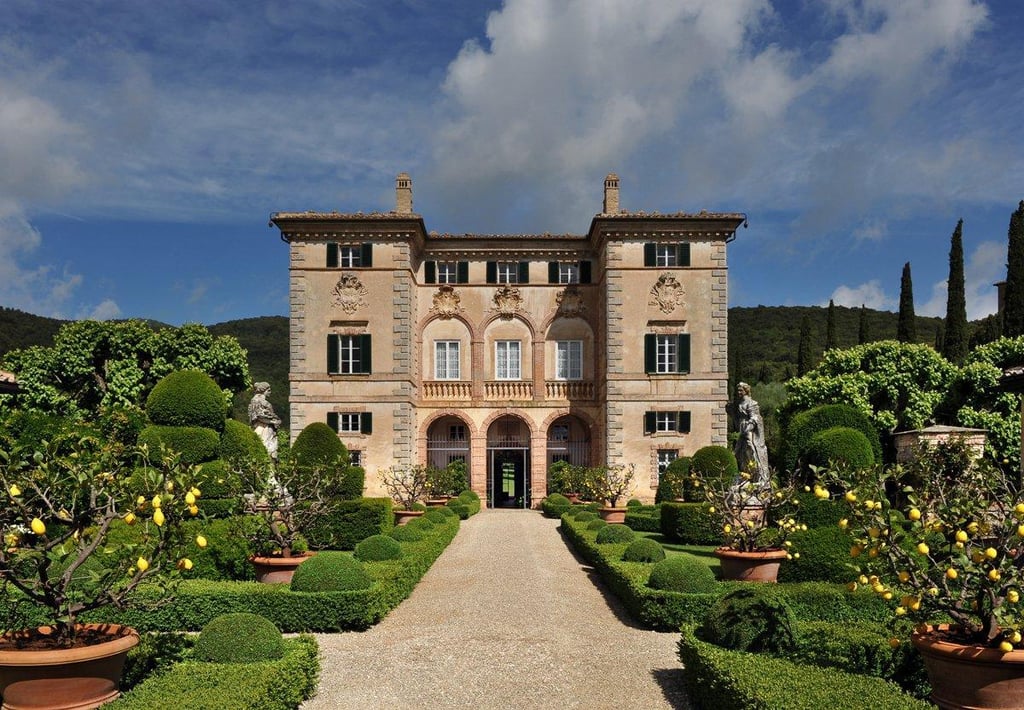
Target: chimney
<point x="611" y="194"/>
<point x="403" y="194"/>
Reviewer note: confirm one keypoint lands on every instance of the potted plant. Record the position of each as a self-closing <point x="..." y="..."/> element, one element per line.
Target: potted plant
<point x="443" y="484"/>
<point x="757" y="517"/>
<point x="64" y="510"/>
<point x="944" y="539"/>
<point x="610" y="484"/>
<point x="407" y="486"/>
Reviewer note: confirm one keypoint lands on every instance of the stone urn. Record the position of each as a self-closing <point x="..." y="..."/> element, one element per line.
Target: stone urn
<point x="966" y="676"/>
<point x="276" y="569"/>
<point x="762" y="566"/>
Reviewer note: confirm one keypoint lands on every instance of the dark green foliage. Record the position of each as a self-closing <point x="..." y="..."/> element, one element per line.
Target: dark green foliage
<point x="460" y="508"/>
<point x="645" y="518"/>
<point x="596" y="524"/>
<point x="614" y="534"/>
<point x="353" y="483"/>
<point x="330" y="572"/>
<point x="471" y="500"/>
<point x="644" y="550"/>
<point x="187" y="398"/>
<point x="634" y="503"/>
<point x="240" y="444"/>
<point x="682" y="573"/>
<point x="226" y="556"/>
<point x="446" y="511"/>
<point x="404" y="533"/>
<point x="350" y="522"/>
<point x="420" y="524"/>
<point x="156" y="653"/>
<point x="1013" y="311"/>
<point x="436" y="516"/>
<point x="830" y="327"/>
<point x="554" y="505"/>
<point x="239" y="638"/>
<point x="803" y="426"/>
<point x="906" y="328"/>
<point x="195" y="444"/>
<point x="265" y="341"/>
<point x="690" y="523"/>
<point x="122" y="423"/>
<point x="216" y="479"/>
<point x="954" y="340"/>
<point x="755" y="618"/>
<point x="377" y="548"/>
<point x="673" y="482"/>
<point x="824" y="556"/>
<point x="318" y="446"/>
<point x="419" y="506"/>
<point x="840" y="446"/>
<point x="714" y="461"/>
<point x="584" y="515"/>
<point x="863" y="329"/>
<point x="804" y="352"/>
<point x="818" y="513"/>
<point x="30" y="428"/>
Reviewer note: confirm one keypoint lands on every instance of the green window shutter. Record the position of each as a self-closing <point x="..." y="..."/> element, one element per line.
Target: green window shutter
<point x="332" y="255"/>
<point x="584" y="272"/>
<point x="649" y="423"/>
<point x="492" y="272"/>
<point x="650" y="255"/>
<point x="366" y="257"/>
<point x="650" y="352"/>
<point x="684" y="352"/>
<point x="552" y="272"/>
<point x="683" y="254"/>
<point x="430" y="272"/>
<point x="364" y="353"/>
<point x="462" y="272"/>
<point x="332" y="354"/>
<point x="684" y="423"/>
<point x="524" y="272"/>
<point x="332" y="420"/>
<point x="366" y="423"/>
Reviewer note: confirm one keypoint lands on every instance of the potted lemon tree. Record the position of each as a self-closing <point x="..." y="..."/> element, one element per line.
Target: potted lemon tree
<point x="611" y="484"/>
<point x="407" y="486"/>
<point x="64" y="553"/>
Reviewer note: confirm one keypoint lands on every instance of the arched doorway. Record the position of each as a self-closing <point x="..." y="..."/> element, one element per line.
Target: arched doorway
<point x="569" y="441"/>
<point x="448" y="440"/>
<point x="508" y="463"/>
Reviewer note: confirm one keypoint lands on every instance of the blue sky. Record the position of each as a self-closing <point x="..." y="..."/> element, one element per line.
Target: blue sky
<point x="143" y="145"/>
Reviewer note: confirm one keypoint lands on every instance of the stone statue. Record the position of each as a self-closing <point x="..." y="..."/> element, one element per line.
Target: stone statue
<point x="751" y="452"/>
<point x="263" y="419"/>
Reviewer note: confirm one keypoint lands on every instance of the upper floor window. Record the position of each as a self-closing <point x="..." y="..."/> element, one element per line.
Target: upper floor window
<point x="348" y="354"/>
<point x="349" y="256"/>
<point x="508" y="272"/>
<point x="351" y="422"/>
<point x="569" y="272"/>
<point x="446" y="359"/>
<point x="569" y="360"/>
<point x="446" y="272"/>
<point x="668" y="255"/>
<point x="655" y="422"/>
<point x="667" y="354"/>
<point x="507" y="359"/>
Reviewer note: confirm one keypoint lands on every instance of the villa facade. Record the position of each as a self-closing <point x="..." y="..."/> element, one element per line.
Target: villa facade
<point x="511" y="351"/>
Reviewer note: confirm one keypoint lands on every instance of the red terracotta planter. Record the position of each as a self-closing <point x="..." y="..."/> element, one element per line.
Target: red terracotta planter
<point x="77" y="678"/>
<point x="277" y="570"/>
<point x="750" y="566"/>
<point x="612" y="515"/>
<point x="402" y="517"/>
<point x="971" y="676"/>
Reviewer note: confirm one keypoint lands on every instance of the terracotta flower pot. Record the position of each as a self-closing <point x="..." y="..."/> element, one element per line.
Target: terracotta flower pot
<point x="437" y="502"/>
<point x="573" y="498"/>
<point x="402" y="517"/>
<point x="750" y="566"/>
<point x="75" y="678"/>
<point x="612" y="515"/>
<point x="970" y="676"/>
<point x="277" y="570"/>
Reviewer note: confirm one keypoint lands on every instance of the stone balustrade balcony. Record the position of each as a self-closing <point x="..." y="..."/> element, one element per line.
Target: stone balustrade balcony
<point x="508" y="390"/>
<point x="448" y="390"/>
<point x="569" y="389"/>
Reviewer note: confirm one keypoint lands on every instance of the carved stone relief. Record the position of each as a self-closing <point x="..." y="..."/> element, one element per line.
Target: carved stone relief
<point x="507" y="302"/>
<point x="446" y="302"/>
<point x="349" y="294"/>
<point x="570" y="302"/>
<point x="667" y="293"/>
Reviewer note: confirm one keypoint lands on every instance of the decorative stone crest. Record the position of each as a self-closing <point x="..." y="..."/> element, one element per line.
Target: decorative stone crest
<point x="349" y="294"/>
<point x="507" y="302"/>
<point x="570" y="302"/>
<point x="446" y="302"/>
<point x="667" y="293"/>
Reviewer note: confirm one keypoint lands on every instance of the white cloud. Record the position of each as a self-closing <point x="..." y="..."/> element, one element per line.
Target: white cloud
<point x="105" y="310"/>
<point x="38" y="289"/>
<point x="935" y="306"/>
<point x="870" y="294"/>
<point x="985" y="266"/>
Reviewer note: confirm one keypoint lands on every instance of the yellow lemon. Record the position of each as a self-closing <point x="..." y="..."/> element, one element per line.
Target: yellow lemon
<point x="140" y="501"/>
<point x="915" y="604"/>
<point x="157" y="502"/>
<point x="904" y="576"/>
<point x="900" y="611"/>
<point x="821" y="493"/>
<point x="1015" y="637"/>
<point x="796" y="555"/>
<point x="1013" y="596"/>
<point x="185" y="564"/>
<point x="933" y="591"/>
<point x="1019" y="509"/>
<point x="201" y="541"/>
<point x="727" y="528"/>
<point x="852" y="586"/>
<point x="994" y="575"/>
<point x="844" y="523"/>
<point x="195" y="491"/>
<point x="15" y="491"/>
<point x="1006" y="647"/>
<point x="850" y="497"/>
<point x="190" y="498"/>
<point x="862" y="579"/>
<point x="887" y="596"/>
<point x="879" y="588"/>
<point x="158" y="517"/>
<point x="869" y="504"/>
<point x="856" y="550"/>
<point x="914" y="514"/>
<point x="1020" y="530"/>
<point x="129" y="519"/>
<point x="990" y="552"/>
<point x="37" y="526"/>
<point x="972" y="528"/>
<point x="193" y="510"/>
<point x="711" y="509"/>
<point x="142" y="564"/>
<point x="169" y="486"/>
<point x="922" y="548"/>
<point x="951" y="573"/>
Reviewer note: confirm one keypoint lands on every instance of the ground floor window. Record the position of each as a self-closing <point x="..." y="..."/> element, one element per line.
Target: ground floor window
<point x="666" y="457"/>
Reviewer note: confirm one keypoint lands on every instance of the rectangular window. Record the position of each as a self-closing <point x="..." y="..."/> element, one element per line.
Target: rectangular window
<point x="666" y="255"/>
<point x="666" y="457"/>
<point x="507" y="360"/>
<point x="655" y="422"/>
<point x="348" y="423"/>
<point x="560" y="432"/>
<point x="569" y="360"/>
<point x="350" y="257"/>
<point x="665" y="421"/>
<point x="508" y="272"/>
<point x="568" y="273"/>
<point x="355" y="457"/>
<point x="447" y="272"/>
<point x="667" y="354"/>
<point x="457" y="432"/>
<point x="348" y="354"/>
<point x="446" y="359"/>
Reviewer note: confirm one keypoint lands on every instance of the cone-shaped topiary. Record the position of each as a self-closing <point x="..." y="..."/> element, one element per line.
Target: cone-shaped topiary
<point x="239" y="638"/>
<point x="682" y="573"/>
<point x="615" y="534"/>
<point x="378" y="547"/>
<point x="330" y="572"/>
<point x="187" y="398"/>
<point x="644" y="549"/>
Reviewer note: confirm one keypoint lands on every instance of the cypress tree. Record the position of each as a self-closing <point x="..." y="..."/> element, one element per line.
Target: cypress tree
<point x="863" y="333"/>
<point x="803" y="355"/>
<point x="1013" y="302"/>
<point x="954" y="335"/>
<point x="940" y="338"/>
<point x="830" y="326"/>
<point x="906" y="327"/>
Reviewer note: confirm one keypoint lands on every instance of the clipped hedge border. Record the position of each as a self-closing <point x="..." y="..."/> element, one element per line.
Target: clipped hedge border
<point x="667" y="611"/>
<point x="733" y="680"/>
<point x="280" y="684"/>
<point x="352" y="522"/>
<point x="645" y="518"/>
<point x="690" y="524"/>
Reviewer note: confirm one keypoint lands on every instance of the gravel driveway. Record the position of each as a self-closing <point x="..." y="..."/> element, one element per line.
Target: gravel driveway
<point x="507" y="617"/>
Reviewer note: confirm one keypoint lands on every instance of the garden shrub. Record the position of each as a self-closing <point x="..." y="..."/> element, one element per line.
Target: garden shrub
<point x="239" y="444"/>
<point x="217" y="479"/>
<point x="353" y="483"/>
<point x="682" y="573"/>
<point x="471" y="500"/>
<point x="596" y="524"/>
<point x="436" y="516"/>
<point x="404" y="533"/>
<point x="195" y="444"/>
<point x="420" y="523"/>
<point x="584" y="516"/>
<point x="350" y="522"/>
<point x="187" y="398"/>
<point x="554" y="505"/>
<point x="634" y="503"/>
<point x="318" y="446"/>
<point x="156" y="653"/>
<point x="615" y="534"/>
<point x="226" y="556"/>
<point x="644" y="518"/>
<point x="804" y="425"/>
<point x="644" y="550"/>
<point x="239" y="638"/>
<point x="330" y="572"/>
<point x="755" y="618"/>
<point x="460" y="508"/>
<point x="824" y="556"/>
<point x="673" y="481"/>
<point x="714" y="461"/>
<point x="841" y="447"/>
<point x="690" y="523"/>
<point x="377" y="548"/>
<point x="419" y="506"/>
<point x="446" y="511"/>
<point x="816" y="512"/>
<point x="121" y="423"/>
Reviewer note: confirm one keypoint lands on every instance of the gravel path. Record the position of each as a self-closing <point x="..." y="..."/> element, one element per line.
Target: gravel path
<point x="507" y="617"/>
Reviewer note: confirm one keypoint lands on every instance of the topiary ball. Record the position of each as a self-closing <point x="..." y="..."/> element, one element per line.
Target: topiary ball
<point x="596" y="524"/>
<point x="404" y="533"/>
<point x="239" y="444"/>
<point x="435" y="516"/>
<point x="318" y="446"/>
<point x="755" y="619"/>
<point x="420" y="523"/>
<point x="460" y="509"/>
<point x="584" y="516"/>
<point x="682" y="573"/>
<point x="840" y="445"/>
<point x="239" y="638"/>
<point x="446" y="512"/>
<point x="469" y="496"/>
<point x="187" y="398"/>
<point x="615" y="534"/>
<point x="634" y="503"/>
<point x="644" y="550"/>
<point x="557" y="499"/>
<point x="714" y="462"/>
<point x="377" y="548"/>
<point x="330" y="572"/>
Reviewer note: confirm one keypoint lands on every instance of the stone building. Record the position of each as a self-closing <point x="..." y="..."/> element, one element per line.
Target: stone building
<point x="511" y="351"/>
